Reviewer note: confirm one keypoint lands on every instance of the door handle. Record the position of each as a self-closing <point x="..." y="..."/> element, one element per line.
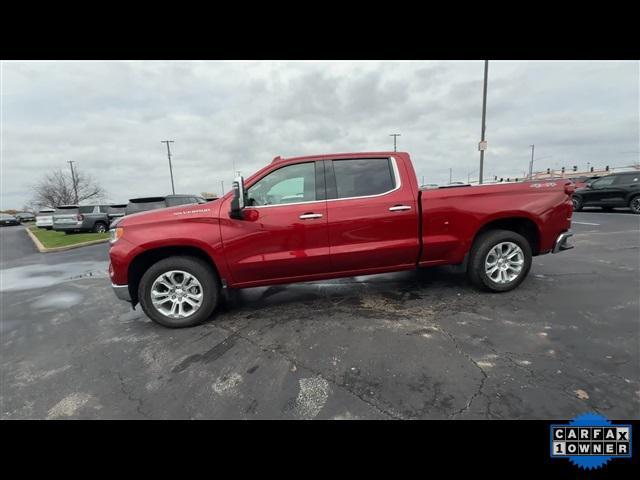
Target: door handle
<point x="310" y="215"/>
<point x="399" y="208"/>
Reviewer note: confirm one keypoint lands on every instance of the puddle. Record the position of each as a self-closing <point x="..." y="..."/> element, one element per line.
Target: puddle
<point x="40" y="276"/>
<point x="60" y="300"/>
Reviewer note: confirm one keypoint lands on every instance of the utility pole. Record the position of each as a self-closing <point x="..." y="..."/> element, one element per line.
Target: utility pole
<point x="533" y="147"/>
<point x="450" y="175"/>
<point x="73" y="180"/>
<point x="170" y="168"/>
<point x="222" y="185"/>
<point x="395" y="137"/>
<point x="484" y="116"/>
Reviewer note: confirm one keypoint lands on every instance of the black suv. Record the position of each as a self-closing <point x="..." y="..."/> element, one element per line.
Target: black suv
<point x="615" y="190"/>
<point x="136" y="205"/>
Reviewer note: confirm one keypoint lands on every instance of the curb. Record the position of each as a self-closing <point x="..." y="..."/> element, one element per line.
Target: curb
<point x="42" y="249"/>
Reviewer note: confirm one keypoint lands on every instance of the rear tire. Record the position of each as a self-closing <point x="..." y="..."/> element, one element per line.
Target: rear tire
<point x="577" y="204"/>
<point x="634" y="204"/>
<point x="483" y="258"/>
<point x="99" y="227"/>
<point x="207" y="284"/>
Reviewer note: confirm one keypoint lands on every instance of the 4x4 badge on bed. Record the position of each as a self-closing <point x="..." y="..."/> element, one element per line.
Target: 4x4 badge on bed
<point x="590" y="441"/>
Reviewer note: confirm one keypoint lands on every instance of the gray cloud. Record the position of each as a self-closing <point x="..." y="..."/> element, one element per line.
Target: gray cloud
<point x="110" y="117"/>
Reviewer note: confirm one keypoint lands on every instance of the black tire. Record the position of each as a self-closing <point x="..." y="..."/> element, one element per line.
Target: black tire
<point x="478" y="254"/>
<point x="100" y="227"/>
<point x="634" y="204"/>
<point x="577" y="203"/>
<point x="194" y="266"/>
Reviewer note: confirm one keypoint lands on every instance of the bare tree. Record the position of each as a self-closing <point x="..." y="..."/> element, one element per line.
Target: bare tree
<point x="57" y="188"/>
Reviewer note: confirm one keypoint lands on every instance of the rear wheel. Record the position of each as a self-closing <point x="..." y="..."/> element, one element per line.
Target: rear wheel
<point x="577" y="204"/>
<point x="99" y="227"/>
<point x="499" y="260"/>
<point x="634" y="204"/>
<point x="179" y="291"/>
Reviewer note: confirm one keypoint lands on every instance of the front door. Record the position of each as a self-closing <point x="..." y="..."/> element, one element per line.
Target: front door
<point x="284" y="232"/>
<point x="601" y="192"/>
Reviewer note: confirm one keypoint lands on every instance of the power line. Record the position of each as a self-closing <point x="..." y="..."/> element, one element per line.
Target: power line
<point x="170" y="168"/>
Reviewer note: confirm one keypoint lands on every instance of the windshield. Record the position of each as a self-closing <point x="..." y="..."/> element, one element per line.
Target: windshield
<point x="67" y="210"/>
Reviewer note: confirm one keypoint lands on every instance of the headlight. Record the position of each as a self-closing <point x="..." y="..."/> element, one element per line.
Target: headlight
<point x="115" y="234"/>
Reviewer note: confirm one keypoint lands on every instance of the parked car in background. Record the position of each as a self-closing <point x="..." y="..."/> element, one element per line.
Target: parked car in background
<point x="329" y="216"/>
<point x="615" y="190"/>
<point x="6" y="220"/>
<point x="116" y="211"/>
<point x="44" y="218"/>
<point x="81" y="218"/>
<point x="143" y="204"/>
<point x="25" y="217"/>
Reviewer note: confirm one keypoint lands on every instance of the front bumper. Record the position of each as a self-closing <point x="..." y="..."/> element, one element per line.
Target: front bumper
<point x="561" y="242"/>
<point x="122" y="292"/>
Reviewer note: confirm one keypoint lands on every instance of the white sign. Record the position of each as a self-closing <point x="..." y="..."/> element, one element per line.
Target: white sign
<point x="482" y="146"/>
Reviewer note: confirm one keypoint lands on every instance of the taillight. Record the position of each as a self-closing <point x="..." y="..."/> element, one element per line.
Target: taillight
<point x="79" y="217"/>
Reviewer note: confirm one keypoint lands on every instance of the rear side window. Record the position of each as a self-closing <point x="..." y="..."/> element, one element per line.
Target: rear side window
<point x="626" y="179"/>
<point x="173" y="201"/>
<point x="358" y="178"/>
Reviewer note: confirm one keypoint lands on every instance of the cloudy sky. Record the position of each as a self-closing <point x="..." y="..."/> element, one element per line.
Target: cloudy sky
<point x="110" y="117"/>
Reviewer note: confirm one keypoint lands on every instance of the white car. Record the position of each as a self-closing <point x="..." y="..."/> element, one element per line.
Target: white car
<point x="44" y="218"/>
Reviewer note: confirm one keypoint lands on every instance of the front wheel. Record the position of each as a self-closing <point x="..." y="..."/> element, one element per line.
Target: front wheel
<point x="179" y="291"/>
<point x="577" y="204"/>
<point x="499" y="260"/>
<point x="634" y="204"/>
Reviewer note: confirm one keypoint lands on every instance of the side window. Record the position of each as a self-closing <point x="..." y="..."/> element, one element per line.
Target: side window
<point x="358" y="178"/>
<point x="104" y="208"/>
<point x="626" y="179"/>
<point x="290" y="184"/>
<point x="88" y="209"/>
<point x="603" y="182"/>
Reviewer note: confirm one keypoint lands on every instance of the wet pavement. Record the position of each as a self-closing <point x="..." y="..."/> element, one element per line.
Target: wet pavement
<point x="410" y="345"/>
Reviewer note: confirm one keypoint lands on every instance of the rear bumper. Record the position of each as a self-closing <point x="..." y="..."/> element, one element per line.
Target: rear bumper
<point x="561" y="243"/>
<point x="122" y="292"/>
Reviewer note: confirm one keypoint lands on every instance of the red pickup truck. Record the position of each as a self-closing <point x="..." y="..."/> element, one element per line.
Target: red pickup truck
<point x="329" y="216"/>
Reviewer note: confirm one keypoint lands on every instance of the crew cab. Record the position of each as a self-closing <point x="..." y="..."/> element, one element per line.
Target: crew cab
<point x="330" y="216"/>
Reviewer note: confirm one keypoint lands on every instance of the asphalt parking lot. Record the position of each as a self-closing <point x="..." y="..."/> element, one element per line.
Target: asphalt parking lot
<point x="413" y="345"/>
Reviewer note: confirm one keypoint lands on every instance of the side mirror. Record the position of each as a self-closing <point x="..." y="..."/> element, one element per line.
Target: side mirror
<point x="237" y="202"/>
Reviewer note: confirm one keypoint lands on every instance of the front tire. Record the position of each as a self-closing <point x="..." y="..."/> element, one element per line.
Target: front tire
<point x="577" y="203"/>
<point x="179" y="291"/>
<point x="499" y="260"/>
<point x="634" y="204"/>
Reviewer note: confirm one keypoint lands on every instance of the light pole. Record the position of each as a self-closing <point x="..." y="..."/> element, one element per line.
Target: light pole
<point x="395" y="137"/>
<point x="533" y="147"/>
<point x="484" y="116"/>
<point x="170" y="168"/>
<point x="73" y="180"/>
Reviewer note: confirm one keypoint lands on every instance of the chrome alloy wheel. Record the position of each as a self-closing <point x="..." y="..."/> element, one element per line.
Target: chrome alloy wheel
<point x="504" y="262"/>
<point x="635" y="205"/>
<point x="176" y="294"/>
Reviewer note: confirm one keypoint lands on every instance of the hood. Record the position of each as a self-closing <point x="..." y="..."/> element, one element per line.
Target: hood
<point x="193" y="211"/>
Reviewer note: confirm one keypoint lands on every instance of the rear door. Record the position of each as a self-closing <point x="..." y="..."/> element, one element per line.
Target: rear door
<point x="373" y="218"/>
<point x="284" y="231"/>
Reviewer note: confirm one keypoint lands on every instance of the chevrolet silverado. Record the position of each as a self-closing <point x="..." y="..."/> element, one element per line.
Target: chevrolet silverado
<point x="330" y="216"/>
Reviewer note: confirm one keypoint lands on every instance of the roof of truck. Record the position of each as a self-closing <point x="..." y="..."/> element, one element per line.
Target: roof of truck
<point x="343" y="155"/>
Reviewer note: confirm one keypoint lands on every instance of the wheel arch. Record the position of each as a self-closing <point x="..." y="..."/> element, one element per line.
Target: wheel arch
<point x="519" y="224"/>
<point x="141" y="263"/>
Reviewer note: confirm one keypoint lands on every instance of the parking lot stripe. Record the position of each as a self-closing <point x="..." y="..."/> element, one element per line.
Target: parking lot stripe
<point x="585" y="223"/>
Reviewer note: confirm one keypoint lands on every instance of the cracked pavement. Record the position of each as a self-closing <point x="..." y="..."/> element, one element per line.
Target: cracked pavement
<point x="411" y="345"/>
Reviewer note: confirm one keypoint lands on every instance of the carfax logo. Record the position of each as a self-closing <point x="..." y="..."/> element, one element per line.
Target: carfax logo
<point x="590" y="441"/>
